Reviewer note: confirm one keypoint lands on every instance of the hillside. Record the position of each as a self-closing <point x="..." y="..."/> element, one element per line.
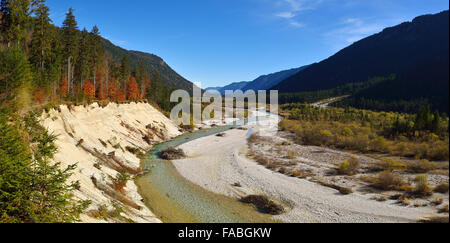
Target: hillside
<point x="233" y="86"/>
<point x="407" y="50"/>
<point x="170" y="78"/>
<point x="263" y="82"/>
<point x="266" y="82"/>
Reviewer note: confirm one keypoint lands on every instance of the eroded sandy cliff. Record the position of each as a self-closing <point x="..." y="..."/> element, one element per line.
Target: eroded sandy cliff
<point x="107" y="142"/>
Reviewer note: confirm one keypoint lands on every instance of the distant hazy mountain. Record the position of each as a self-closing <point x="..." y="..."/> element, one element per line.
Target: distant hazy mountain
<point x="169" y="77"/>
<point x="417" y="52"/>
<point x="266" y="82"/>
<point x="233" y="86"/>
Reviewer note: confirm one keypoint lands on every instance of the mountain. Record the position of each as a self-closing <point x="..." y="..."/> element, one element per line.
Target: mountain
<point x="263" y="82"/>
<point x="169" y="77"/>
<point x="266" y="82"/>
<point x="233" y="86"/>
<point x="412" y="50"/>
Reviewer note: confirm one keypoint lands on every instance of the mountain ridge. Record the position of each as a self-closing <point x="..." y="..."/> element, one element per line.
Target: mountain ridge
<point x="396" y="50"/>
<point x="170" y="78"/>
<point x="263" y="82"/>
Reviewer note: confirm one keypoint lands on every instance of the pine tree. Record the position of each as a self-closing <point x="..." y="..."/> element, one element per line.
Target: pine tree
<point x="82" y="66"/>
<point x="70" y="42"/>
<point x="436" y="123"/>
<point x="15" y="21"/>
<point x="32" y="189"/>
<point x="41" y="44"/>
<point x="15" y="73"/>
<point x="125" y="72"/>
<point x="96" y="53"/>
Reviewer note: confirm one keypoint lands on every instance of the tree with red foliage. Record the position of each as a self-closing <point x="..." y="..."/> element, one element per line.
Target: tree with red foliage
<point x="63" y="87"/>
<point x="88" y="89"/>
<point x="133" y="89"/>
<point x="39" y="95"/>
<point x="101" y="87"/>
<point x="120" y="96"/>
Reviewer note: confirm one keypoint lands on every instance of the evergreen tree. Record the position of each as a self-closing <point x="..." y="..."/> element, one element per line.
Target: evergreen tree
<point x="436" y="123"/>
<point x="15" y="73"/>
<point x="41" y="44"/>
<point x="70" y="42"/>
<point x="82" y="67"/>
<point x="96" y="53"/>
<point x="31" y="189"/>
<point x="15" y="21"/>
<point x="125" y="72"/>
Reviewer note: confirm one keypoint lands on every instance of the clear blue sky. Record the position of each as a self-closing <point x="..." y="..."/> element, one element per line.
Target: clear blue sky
<point x="217" y="42"/>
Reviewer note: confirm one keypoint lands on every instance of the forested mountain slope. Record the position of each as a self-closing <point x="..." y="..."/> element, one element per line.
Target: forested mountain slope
<point x="417" y="52"/>
<point x="169" y="77"/>
<point x="266" y="82"/>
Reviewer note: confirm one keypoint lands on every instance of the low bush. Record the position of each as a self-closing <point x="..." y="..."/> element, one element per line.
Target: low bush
<point x="120" y="181"/>
<point x="444" y="209"/>
<point x="422" y="188"/>
<point x="442" y="188"/>
<point x="263" y="204"/>
<point x="423" y="166"/>
<point x="437" y="201"/>
<point x="349" y="167"/>
<point x="404" y="201"/>
<point x="136" y="152"/>
<point x="342" y="190"/>
<point x="172" y="154"/>
<point x="388" y="181"/>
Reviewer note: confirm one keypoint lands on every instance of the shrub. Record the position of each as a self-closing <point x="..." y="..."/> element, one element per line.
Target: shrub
<point x="390" y="165"/>
<point x="342" y="190"/>
<point x="388" y="181"/>
<point x="120" y="181"/>
<point x="379" y="144"/>
<point x="263" y="204"/>
<point x="422" y="188"/>
<point x="442" y="188"/>
<point x="437" y="201"/>
<point x="347" y="132"/>
<point x="423" y="166"/>
<point x="349" y="167"/>
<point x="262" y="160"/>
<point x="404" y="201"/>
<point x="135" y="151"/>
<point x="292" y="154"/>
<point x="172" y="154"/>
<point x="444" y="209"/>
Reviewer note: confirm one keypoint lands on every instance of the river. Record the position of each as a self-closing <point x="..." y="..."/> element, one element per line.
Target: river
<point x="174" y="199"/>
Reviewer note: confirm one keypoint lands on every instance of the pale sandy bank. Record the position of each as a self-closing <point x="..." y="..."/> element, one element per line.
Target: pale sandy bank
<point x="97" y="139"/>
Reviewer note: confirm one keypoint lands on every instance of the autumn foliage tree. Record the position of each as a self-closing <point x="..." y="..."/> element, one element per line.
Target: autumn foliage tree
<point x="63" y="87"/>
<point x="133" y="89"/>
<point x="101" y="86"/>
<point x="39" y="95"/>
<point x="88" y="89"/>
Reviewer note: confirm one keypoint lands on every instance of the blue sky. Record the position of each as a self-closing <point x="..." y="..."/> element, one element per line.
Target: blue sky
<point x="217" y="42"/>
